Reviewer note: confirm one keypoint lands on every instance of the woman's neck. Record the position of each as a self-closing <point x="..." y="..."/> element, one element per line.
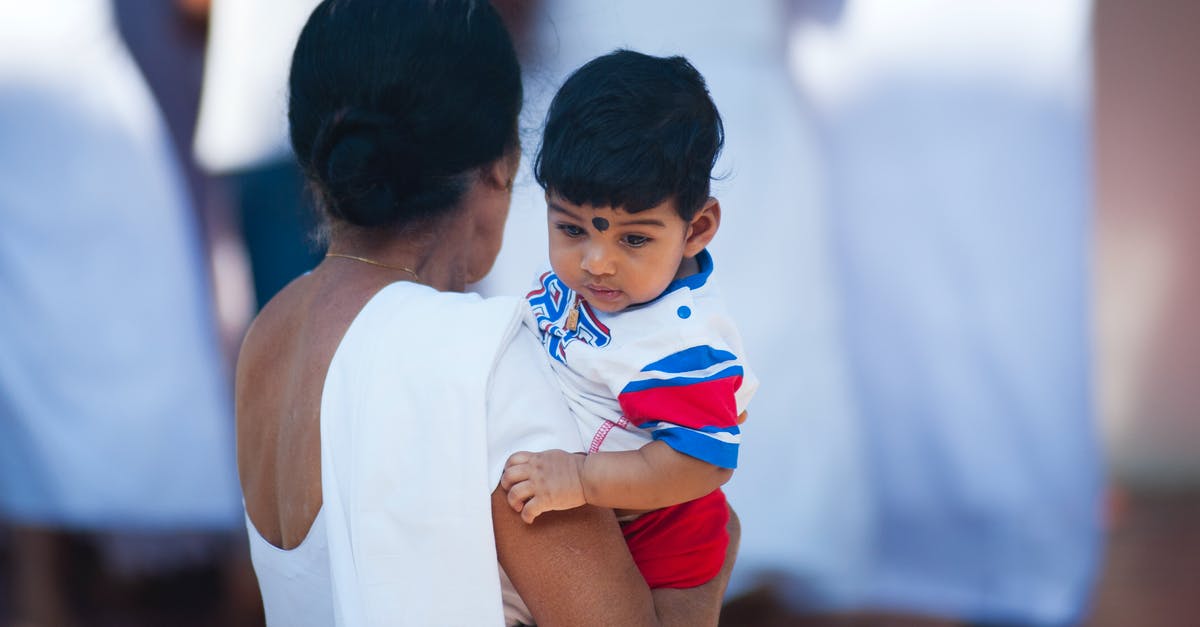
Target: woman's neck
<point x="430" y="256"/>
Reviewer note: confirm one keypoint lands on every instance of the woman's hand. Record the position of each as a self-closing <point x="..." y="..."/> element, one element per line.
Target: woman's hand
<point x="543" y="482"/>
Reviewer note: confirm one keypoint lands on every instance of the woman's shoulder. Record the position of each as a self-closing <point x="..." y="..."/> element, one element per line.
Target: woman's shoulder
<point x="436" y="326"/>
<point x="405" y="304"/>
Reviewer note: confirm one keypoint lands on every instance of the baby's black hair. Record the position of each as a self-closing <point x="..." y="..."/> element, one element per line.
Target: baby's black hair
<point x="393" y="104"/>
<point x="629" y="130"/>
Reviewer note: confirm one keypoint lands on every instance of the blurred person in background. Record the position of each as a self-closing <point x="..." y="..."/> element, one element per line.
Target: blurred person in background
<point x="114" y="407"/>
<point x="957" y="141"/>
<point x="799" y="489"/>
<point x="241" y="133"/>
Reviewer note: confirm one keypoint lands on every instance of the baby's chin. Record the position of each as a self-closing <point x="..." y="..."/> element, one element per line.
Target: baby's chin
<point x="608" y="309"/>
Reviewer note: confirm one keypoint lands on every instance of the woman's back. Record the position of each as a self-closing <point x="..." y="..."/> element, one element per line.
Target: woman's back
<point x="281" y="374"/>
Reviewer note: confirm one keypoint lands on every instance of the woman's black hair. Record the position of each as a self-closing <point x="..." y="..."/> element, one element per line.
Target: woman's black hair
<point x="394" y="103"/>
<point x="628" y="130"/>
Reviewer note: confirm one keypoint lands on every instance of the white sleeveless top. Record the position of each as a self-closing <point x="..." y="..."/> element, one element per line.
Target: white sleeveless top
<point x="288" y="578"/>
<point x="426" y="397"/>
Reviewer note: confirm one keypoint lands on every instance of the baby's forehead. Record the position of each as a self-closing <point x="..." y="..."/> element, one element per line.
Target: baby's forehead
<point x="607" y="212"/>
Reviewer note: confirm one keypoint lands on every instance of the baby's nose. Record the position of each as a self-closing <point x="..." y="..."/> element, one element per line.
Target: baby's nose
<point x="597" y="261"/>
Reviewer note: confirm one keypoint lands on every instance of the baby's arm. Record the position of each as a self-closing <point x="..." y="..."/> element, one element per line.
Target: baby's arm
<point x="651" y="477"/>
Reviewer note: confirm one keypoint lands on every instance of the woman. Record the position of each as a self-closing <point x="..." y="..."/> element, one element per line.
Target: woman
<point x="376" y="405"/>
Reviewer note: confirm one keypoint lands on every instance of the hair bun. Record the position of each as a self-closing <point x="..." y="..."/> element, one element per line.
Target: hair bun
<point x="393" y="106"/>
<point x="359" y="160"/>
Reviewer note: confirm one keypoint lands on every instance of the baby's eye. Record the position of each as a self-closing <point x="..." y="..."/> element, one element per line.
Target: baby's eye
<point x="636" y="241"/>
<point x="570" y="230"/>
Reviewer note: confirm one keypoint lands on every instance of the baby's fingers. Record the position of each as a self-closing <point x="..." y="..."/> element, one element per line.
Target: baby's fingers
<point x="520" y="457"/>
<point x="519" y="494"/>
<point x="533" y="508"/>
<point x="514" y="474"/>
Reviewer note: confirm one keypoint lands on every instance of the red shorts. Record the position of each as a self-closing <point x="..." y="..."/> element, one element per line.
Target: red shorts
<point x="682" y="546"/>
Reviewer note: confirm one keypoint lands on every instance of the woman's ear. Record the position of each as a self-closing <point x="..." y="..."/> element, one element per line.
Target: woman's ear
<point x="501" y="173"/>
<point x="702" y="228"/>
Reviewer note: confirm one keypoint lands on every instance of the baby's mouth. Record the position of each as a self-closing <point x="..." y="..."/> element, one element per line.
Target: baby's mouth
<point x="601" y="293"/>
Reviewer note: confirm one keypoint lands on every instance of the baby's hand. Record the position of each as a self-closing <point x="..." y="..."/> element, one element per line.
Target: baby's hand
<point x="542" y="482"/>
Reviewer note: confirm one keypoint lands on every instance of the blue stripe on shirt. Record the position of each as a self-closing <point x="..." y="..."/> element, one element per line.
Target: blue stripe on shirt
<point x="698" y="445"/>
<point x="647" y="384"/>
<point x="691" y="359"/>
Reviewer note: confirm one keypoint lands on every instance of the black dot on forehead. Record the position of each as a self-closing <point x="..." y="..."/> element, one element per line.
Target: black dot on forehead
<point x="601" y="224"/>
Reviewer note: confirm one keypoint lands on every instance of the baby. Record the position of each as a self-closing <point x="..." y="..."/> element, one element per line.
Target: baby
<point x="648" y="357"/>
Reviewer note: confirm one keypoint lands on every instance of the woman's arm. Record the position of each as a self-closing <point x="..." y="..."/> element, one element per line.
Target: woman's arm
<point x="573" y="568"/>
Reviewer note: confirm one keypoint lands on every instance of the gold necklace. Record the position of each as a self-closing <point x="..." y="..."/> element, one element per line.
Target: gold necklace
<point x="573" y="315"/>
<point x="376" y="263"/>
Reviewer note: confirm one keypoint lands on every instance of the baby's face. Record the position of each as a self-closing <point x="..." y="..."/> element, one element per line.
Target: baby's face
<point x="612" y="258"/>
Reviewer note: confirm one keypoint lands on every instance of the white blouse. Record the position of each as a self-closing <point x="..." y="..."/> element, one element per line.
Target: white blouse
<point x="426" y="397"/>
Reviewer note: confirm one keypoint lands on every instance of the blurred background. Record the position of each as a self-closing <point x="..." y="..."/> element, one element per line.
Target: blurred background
<point x="957" y="237"/>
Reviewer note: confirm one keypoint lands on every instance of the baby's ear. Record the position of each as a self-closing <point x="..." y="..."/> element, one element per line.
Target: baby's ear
<point x="702" y="228"/>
